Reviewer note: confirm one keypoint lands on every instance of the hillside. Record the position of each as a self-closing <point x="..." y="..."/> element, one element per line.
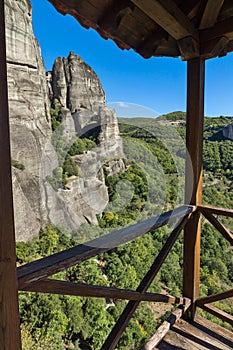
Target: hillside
<point x="53" y="322"/>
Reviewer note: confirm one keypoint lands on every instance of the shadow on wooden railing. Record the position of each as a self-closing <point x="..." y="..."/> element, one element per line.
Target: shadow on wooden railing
<point x="34" y="276"/>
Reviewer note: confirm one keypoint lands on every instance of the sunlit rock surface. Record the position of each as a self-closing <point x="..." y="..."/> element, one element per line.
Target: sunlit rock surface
<point x="80" y="95"/>
<point x="29" y="116"/>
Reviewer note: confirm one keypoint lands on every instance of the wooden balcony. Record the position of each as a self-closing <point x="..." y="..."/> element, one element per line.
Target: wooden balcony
<point x="34" y="277"/>
<point x="199" y="334"/>
<point x="171" y="32"/>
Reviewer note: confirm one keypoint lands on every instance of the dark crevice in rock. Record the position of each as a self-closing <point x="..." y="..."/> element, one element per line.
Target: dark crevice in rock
<point x="22" y="64"/>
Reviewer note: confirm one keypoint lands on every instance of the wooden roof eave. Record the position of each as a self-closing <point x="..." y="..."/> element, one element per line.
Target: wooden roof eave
<point x="173" y="28"/>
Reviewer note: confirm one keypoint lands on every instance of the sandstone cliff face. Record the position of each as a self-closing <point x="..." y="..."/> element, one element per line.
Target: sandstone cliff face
<point x="29" y="115"/>
<point x="78" y="91"/>
<point x="228" y="132"/>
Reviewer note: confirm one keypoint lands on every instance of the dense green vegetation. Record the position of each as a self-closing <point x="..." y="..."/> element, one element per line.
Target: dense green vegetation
<point x="152" y="183"/>
<point x="17" y="164"/>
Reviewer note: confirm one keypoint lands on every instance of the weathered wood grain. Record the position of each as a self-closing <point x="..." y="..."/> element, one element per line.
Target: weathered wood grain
<point x="67" y="288"/>
<point x="193" y="178"/>
<point x="168" y="15"/>
<point x="211" y="13"/>
<point x="218" y="313"/>
<point x="166" y="326"/>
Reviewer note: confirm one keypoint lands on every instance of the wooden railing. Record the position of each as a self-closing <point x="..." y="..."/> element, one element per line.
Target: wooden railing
<point x="204" y="303"/>
<point x="34" y="276"/>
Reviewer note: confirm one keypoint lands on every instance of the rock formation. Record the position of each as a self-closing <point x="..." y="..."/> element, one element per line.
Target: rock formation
<point x="77" y="90"/>
<point x="29" y="115"/>
<point x="228" y="131"/>
<point x="76" y="85"/>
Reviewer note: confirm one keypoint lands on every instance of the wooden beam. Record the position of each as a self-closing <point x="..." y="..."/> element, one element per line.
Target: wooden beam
<point x="220" y="227"/>
<point x="224" y="28"/>
<point x="211" y="13"/>
<point x="149" y="45"/>
<point x="190" y="8"/>
<point x="216" y="297"/>
<point x="85" y="290"/>
<point x="215" y="210"/>
<point x="226" y="11"/>
<point x="131" y="307"/>
<point x="188" y="48"/>
<point x="214" y="48"/>
<point x="48" y="266"/>
<point x="168" y="15"/>
<point x="166" y="326"/>
<point x="193" y="178"/>
<point x="113" y="14"/>
<point x="218" y="313"/>
<point x="9" y="314"/>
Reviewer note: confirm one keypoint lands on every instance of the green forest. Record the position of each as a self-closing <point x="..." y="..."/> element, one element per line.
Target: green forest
<point x="63" y="322"/>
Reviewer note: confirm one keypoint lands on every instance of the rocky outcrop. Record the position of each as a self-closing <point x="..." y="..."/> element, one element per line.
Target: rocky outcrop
<point x="114" y="167"/>
<point x="29" y="115"/>
<point x="76" y="89"/>
<point x="76" y="85"/>
<point x="228" y="131"/>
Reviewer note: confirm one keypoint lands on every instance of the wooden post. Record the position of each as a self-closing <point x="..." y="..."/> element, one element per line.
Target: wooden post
<point x="9" y="315"/>
<point x="193" y="183"/>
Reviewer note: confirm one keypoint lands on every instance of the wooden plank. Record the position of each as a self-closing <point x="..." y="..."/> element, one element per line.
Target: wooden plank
<point x="78" y="289"/>
<point x="215" y="210"/>
<point x="215" y="297"/>
<point x="222" y="334"/>
<point x="175" y="341"/>
<point x="220" y="227"/>
<point x="130" y="308"/>
<point x="166" y="326"/>
<point x="193" y="178"/>
<point x="48" y="266"/>
<point x="218" y="313"/>
<point x="9" y="317"/>
<point x="202" y="338"/>
<point x="168" y="15"/>
<point x="211" y="13"/>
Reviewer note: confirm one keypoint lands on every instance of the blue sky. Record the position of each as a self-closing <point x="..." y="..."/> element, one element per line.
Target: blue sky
<point x="158" y="83"/>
